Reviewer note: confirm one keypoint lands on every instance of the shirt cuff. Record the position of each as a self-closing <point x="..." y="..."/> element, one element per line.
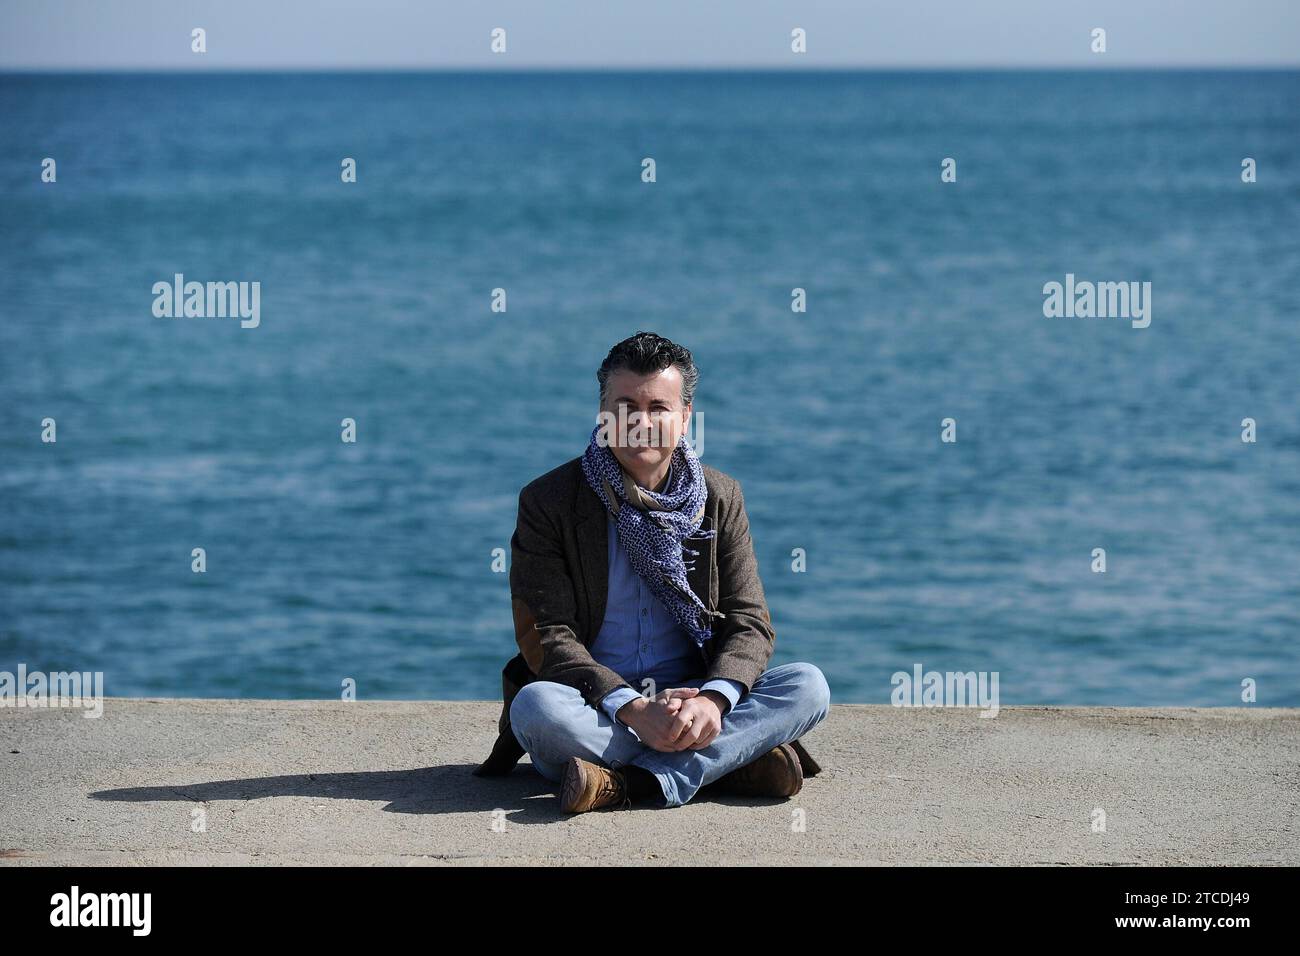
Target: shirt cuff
<point x="615" y="699"/>
<point x="728" y="688"/>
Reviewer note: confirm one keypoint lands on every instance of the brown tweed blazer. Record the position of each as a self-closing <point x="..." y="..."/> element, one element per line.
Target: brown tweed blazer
<point x="559" y="575"/>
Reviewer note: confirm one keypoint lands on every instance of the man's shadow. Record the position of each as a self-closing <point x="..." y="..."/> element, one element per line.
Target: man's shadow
<point x="524" y="795"/>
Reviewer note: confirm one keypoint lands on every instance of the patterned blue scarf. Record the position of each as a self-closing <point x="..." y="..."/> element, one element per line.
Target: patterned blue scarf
<point x="653" y="527"/>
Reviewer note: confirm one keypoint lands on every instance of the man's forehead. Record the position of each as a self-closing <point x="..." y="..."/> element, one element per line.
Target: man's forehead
<point x="626" y="382"/>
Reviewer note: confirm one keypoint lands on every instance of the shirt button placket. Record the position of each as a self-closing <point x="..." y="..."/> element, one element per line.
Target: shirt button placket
<point x="644" y="626"/>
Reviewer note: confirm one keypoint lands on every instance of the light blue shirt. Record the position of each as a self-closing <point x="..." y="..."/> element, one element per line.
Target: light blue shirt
<point x="640" y="638"/>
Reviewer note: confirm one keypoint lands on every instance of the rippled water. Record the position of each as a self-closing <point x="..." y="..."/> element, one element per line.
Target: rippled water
<point x="373" y="561"/>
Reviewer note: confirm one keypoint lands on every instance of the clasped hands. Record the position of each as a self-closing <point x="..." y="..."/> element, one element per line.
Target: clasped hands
<point x="679" y="718"/>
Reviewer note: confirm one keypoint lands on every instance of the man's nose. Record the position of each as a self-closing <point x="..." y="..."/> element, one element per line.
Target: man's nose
<point x="638" y="427"/>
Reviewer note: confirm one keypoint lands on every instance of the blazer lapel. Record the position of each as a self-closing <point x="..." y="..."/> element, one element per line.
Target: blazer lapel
<point x="593" y="553"/>
<point x="700" y="576"/>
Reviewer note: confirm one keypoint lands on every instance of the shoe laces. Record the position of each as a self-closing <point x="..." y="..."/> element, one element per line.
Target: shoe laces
<point x="620" y="788"/>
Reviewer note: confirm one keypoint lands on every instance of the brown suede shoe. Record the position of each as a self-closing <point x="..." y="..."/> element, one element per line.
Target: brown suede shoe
<point x="777" y="773"/>
<point x="589" y="786"/>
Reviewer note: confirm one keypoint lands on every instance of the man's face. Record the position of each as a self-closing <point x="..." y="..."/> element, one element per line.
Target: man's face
<point x="655" y="398"/>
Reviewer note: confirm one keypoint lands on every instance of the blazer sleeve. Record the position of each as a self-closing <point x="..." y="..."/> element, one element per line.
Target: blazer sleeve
<point x="745" y="637"/>
<point x="542" y="592"/>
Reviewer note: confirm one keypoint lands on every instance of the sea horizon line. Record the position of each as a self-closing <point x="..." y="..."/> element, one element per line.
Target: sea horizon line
<point x="462" y="70"/>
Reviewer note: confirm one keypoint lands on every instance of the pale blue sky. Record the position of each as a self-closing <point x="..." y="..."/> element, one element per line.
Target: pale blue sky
<point x="431" y="34"/>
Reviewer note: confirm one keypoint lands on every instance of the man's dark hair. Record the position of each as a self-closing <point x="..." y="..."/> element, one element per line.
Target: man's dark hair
<point x="646" y="353"/>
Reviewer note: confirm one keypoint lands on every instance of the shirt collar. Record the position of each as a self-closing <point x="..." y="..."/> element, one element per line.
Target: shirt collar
<point x="636" y="494"/>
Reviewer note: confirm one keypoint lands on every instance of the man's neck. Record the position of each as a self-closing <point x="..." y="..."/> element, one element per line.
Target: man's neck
<point x="655" y="483"/>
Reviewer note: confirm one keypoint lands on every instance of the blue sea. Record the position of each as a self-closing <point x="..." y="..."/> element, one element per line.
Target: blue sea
<point x="373" y="561"/>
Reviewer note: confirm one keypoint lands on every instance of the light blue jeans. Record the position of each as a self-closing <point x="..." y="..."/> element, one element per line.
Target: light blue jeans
<point x="553" y="722"/>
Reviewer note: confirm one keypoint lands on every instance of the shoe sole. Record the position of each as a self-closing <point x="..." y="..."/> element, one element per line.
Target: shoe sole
<point x="796" y="768"/>
<point x="572" y="785"/>
<point x="793" y="773"/>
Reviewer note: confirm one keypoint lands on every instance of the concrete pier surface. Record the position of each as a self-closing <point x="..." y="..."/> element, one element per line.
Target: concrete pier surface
<point x="390" y="782"/>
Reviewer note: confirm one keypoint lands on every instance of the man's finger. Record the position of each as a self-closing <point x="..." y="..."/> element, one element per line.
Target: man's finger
<point x="678" y="693"/>
<point x="701" y="744"/>
<point x="681" y="724"/>
<point x="696" y="726"/>
<point x="703" y="737"/>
